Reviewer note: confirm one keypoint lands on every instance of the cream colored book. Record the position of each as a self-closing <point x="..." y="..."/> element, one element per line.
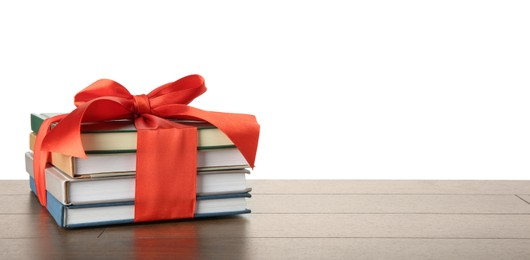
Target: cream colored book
<point x="120" y="135"/>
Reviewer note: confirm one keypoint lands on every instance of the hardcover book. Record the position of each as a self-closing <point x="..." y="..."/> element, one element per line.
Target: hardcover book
<point x="104" y="163"/>
<point x="120" y="135"/>
<point x="121" y="187"/>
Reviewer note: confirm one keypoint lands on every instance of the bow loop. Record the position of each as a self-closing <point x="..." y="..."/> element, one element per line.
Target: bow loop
<point x="101" y="88"/>
<point x="181" y="91"/>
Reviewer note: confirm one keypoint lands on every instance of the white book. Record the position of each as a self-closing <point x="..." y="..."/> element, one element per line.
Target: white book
<point x="118" y="187"/>
<point x="211" y="159"/>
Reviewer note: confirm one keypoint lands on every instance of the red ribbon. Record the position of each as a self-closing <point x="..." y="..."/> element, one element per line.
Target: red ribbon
<point x="166" y="151"/>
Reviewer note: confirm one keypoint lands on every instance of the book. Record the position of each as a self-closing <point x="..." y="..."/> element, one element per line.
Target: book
<point x="119" y="188"/>
<point x="120" y="135"/>
<point x="89" y="215"/>
<point x="102" y="163"/>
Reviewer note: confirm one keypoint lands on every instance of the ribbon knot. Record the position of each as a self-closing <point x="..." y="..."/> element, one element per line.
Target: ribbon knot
<point x="142" y="104"/>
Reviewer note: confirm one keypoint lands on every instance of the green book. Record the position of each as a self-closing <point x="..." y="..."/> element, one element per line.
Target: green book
<point x="120" y="135"/>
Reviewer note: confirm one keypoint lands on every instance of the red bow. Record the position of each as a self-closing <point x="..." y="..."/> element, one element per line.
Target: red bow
<point x="166" y="151"/>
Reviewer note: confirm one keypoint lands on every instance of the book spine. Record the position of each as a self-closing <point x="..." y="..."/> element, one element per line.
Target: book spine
<point x="64" y="163"/>
<point x="56" y="186"/>
<point x="56" y="209"/>
<point x="29" y="163"/>
<point x="32" y="185"/>
<point x="36" y="122"/>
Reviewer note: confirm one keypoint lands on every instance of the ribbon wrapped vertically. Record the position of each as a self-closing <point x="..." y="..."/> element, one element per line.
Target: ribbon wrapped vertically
<point x="166" y="150"/>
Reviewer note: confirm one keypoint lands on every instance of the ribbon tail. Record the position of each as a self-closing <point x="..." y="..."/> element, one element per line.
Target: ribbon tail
<point x="242" y="129"/>
<point x="166" y="170"/>
<point x="41" y="156"/>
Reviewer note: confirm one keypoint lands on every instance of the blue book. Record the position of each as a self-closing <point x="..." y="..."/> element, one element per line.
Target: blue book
<point x="103" y="214"/>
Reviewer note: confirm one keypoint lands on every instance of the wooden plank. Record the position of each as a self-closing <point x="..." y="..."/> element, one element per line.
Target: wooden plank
<point x="354" y="187"/>
<point x="389" y="187"/>
<point x="42" y="226"/>
<point x="265" y="248"/>
<point x="434" y="204"/>
<point x="438" y="204"/>
<point x="338" y="225"/>
<point x="334" y="248"/>
<point x="19" y="204"/>
<point x="14" y="186"/>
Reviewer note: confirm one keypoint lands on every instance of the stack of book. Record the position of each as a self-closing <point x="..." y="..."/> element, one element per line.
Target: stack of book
<point x="100" y="190"/>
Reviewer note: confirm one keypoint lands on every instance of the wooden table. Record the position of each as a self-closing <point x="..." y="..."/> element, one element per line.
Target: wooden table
<point x="344" y="219"/>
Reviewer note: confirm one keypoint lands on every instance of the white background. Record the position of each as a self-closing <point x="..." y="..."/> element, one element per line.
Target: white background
<point x="342" y="89"/>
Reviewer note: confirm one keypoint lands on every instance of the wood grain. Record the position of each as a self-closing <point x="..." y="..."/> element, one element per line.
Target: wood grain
<point x="380" y="204"/>
<point x="389" y="187"/>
